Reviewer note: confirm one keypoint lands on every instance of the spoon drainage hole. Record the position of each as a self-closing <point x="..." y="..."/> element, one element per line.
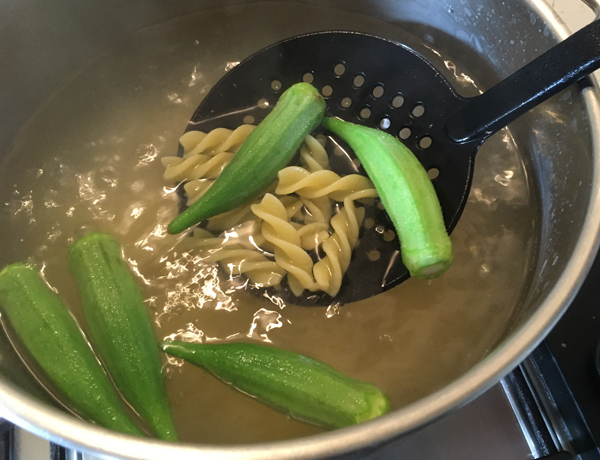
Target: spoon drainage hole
<point x="358" y="81"/>
<point x="338" y="152"/>
<point x="389" y="235"/>
<point x="339" y="69"/>
<point x="385" y="123"/>
<point x="346" y="102"/>
<point x="365" y="113"/>
<point x="374" y="255"/>
<point x="404" y="133"/>
<point x="418" y="111"/>
<point x="398" y="101"/>
<point x="378" y="91"/>
<point x="249" y="119"/>
<point x="308" y="77"/>
<point x="263" y="103"/>
<point x="327" y="91"/>
<point x="433" y="173"/>
<point x="425" y="142"/>
<point x="276" y="85"/>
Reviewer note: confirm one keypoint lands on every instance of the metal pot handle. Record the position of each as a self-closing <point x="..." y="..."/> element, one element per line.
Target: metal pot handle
<point x="594" y="5"/>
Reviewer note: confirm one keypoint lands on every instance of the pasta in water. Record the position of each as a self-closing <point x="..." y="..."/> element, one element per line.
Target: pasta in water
<point x="277" y="230"/>
<point x="292" y="217"/>
<point x="317" y="209"/>
<point x="330" y="270"/>
<point x="294" y="179"/>
<point x="204" y="157"/>
<point x="313" y="155"/>
<point x="239" y="260"/>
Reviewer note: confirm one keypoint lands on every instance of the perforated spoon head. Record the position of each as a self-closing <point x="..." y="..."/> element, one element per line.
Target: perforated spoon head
<point x="382" y="84"/>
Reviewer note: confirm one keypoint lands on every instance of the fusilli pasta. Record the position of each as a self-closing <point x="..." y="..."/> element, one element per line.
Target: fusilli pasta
<point x="312" y="235"/>
<point x="288" y="225"/>
<point x="216" y="141"/>
<point x="238" y="257"/>
<point x="330" y="270"/>
<point x="229" y="219"/>
<point x="317" y="209"/>
<point x="294" y="179"/>
<point x="278" y="230"/>
<point x="236" y="216"/>
<point x="194" y="189"/>
<point x="204" y="157"/>
<point x="313" y="155"/>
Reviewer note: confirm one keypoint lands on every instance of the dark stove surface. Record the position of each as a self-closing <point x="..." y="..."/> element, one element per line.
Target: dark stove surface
<point x="574" y="343"/>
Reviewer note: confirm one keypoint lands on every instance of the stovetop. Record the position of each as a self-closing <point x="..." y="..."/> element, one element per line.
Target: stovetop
<point x="575" y="346"/>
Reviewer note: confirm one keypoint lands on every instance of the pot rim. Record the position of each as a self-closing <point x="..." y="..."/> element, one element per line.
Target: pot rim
<point x="47" y="422"/>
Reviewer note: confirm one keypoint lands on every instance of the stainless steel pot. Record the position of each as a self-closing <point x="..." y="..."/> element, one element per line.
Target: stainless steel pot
<point x="42" y="43"/>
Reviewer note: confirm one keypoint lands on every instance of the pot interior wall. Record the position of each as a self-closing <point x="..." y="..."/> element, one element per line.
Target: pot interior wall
<point x="44" y="44"/>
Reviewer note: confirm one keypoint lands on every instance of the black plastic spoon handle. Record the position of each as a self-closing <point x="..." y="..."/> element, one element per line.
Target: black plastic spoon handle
<point x="564" y="64"/>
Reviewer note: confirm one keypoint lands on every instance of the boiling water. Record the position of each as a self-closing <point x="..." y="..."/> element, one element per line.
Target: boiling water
<point x="90" y="160"/>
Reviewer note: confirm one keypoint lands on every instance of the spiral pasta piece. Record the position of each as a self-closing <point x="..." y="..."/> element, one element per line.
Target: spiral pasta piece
<point x="294" y="179"/>
<point x="229" y="219"/>
<point x="248" y="238"/>
<point x="194" y="189"/>
<point x="190" y="140"/>
<point x="278" y="230"/>
<point x="204" y="155"/>
<point x="236" y="216"/>
<point x="237" y="261"/>
<point x="237" y="257"/>
<point x="216" y="141"/>
<point x="289" y="225"/>
<point x="329" y="271"/>
<point x="312" y="235"/>
<point x="317" y="209"/>
<point x="195" y="167"/>
<point x="313" y="155"/>
<point x="292" y="205"/>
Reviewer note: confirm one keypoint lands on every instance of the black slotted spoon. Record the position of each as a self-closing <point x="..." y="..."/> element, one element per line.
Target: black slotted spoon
<point x="383" y="84"/>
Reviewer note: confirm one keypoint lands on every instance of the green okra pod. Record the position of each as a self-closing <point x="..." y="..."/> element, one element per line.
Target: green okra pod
<point x="121" y="328"/>
<point x="305" y="388"/>
<point x="51" y="336"/>
<point x="407" y="194"/>
<point x="269" y="148"/>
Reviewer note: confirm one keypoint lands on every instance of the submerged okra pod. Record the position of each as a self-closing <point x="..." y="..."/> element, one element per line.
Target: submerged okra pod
<point x="54" y="340"/>
<point x="407" y="195"/>
<point x="121" y="328"/>
<point x="269" y="148"/>
<point x="305" y="388"/>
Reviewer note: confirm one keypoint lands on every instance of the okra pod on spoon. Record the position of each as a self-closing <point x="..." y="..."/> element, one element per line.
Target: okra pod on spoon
<point x="407" y="195"/>
<point x="383" y="84"/>
<point x="269" y="148"/>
